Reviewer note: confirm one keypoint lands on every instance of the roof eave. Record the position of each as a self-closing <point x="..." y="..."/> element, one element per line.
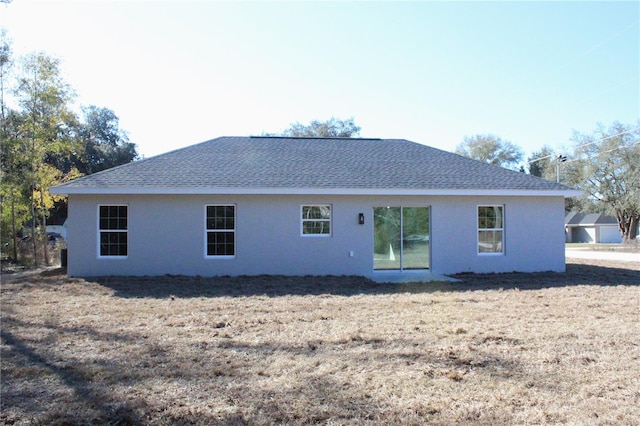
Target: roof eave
<point x="62" y="190"/>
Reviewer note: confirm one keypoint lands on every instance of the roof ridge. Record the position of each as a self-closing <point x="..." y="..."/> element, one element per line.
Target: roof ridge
<point x="315" y="137"/>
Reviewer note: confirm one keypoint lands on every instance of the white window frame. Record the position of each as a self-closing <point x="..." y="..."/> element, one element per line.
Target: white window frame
<point x="233" y="231"/>
<point x="100" y="231"/>
<point x="303" y="221"/>
<point x="501" y="229"/>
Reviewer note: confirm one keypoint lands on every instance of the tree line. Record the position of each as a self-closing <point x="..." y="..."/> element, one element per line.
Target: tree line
<point x="43" y="142"/>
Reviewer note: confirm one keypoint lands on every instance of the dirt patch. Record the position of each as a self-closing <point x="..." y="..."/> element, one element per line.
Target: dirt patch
<point x="493" y="349"/>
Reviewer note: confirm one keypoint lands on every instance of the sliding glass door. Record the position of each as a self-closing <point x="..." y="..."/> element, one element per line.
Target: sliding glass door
<point x="401" y="238"/>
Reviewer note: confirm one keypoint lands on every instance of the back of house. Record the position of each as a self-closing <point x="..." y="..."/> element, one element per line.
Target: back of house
<point x="312" y="206"/>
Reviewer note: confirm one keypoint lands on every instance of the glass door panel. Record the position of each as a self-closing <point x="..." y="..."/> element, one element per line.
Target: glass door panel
<point x="415" y="238"/>
<point x="386" y="238"/>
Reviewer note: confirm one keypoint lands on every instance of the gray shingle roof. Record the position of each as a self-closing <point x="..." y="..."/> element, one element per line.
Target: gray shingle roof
<point x="312" y="163"/>
<point x="584" y="219"/>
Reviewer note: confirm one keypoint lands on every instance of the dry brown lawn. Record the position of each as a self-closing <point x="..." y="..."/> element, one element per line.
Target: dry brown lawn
<point x="495" y="349"/>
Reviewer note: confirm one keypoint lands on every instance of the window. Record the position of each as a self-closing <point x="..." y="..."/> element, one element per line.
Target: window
<point x="491" y="229"/>
<point x="112" y="227"/>
<point x="220" y="230"/>
<point x="316" y="220"/>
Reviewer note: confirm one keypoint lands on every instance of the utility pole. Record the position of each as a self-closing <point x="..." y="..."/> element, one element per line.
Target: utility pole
<point x="560" y="159"/>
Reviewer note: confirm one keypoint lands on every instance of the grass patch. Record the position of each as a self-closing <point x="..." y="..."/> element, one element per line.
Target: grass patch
<point x="632" y="246"/>
<point x="494" y="349"/>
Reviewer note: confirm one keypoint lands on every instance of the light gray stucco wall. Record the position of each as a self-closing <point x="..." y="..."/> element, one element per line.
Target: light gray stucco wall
<point x="167" y="236"/>
<point x="534" y="235"/>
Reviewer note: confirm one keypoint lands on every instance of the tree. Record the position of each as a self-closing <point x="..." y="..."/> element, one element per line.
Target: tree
<point x="6" y="63"/>
<point x="331" y="128"/>
<point x="104" y="144"/>
<point x="491" y="149"/>
<point x="542" y="163"/>
<point x="607" y="169"/>
<point x="14" y="178"/>
<point x="13" y="192"/>
<point x="44" y="97"/>
<point x="43" y="143"/>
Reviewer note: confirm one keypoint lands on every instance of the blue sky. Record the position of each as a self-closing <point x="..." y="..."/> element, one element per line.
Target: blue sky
<point x="178" y="73"/>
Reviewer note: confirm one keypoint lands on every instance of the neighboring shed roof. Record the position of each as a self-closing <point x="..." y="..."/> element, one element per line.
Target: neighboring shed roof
<point x="309" y="165"/>
<point x="588" y="219"/>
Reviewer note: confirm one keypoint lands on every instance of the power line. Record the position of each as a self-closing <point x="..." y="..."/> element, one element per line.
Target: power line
<point x="541" y="158"/>
<point x="549" y="75"/>
<point x="610" y="150"/>
<point x="606" y="90"/>
<point x="599" y="44"/>
<point x="608" y="137"/>
<point x="589" y="143"/>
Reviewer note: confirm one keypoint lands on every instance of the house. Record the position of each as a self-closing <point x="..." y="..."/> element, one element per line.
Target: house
<point x="591" y="228"/>
<point x="379" y="208"/>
